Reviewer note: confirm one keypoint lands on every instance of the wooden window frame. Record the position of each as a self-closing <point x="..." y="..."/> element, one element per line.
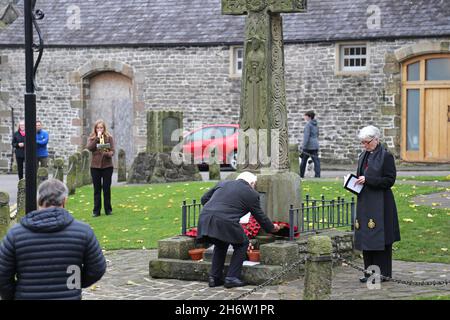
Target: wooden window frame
<point x="340" y="70"/>
<point x="422" y="85"/>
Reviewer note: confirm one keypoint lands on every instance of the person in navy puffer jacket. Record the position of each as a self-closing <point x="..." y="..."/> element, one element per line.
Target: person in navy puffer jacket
<point x="49" y="254"/>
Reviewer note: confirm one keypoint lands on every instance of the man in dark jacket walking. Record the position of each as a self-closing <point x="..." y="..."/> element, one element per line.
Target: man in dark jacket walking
<point x="49" y="254"/>
<point x="223" y="207"/>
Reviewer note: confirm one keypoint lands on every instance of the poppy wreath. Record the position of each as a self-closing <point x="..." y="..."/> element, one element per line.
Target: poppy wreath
<point x="192" y="232"/>
<point x="251" y="228"/>
<point x="284" y="229"/>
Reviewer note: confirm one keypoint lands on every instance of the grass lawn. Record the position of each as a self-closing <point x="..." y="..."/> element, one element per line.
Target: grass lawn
<point x="425" y="178"/>
<point x="144" y="214"/>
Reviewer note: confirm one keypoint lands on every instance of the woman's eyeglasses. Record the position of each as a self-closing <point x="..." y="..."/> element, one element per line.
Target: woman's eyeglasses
<point x="367" y="142"/>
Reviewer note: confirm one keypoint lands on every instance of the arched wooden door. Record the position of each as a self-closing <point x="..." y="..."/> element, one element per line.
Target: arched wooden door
<point x="111" y="99"/>
<point x="426" y="109"/>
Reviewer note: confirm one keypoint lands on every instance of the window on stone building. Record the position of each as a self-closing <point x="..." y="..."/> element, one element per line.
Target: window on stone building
<point x="237" y="61"/>
<point x="353" y="58"/>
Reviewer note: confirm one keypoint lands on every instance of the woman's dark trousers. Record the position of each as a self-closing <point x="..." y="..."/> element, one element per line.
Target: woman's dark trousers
<point x="382" y="259"/>
<point x="315" y="157"/>
<point x="102" y="178"/>
<point x="20" y="167"/>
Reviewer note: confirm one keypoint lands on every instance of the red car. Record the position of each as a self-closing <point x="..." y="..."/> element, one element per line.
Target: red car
<point x="198" y="143"/>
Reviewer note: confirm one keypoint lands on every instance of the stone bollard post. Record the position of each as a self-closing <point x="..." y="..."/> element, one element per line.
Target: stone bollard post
<point x="86" y="156"/>
<point x="42" y="175"/>
<point x="20" y="200"/>
<point x="58" y="164"/>
<point x="318" y="276"/>
<point x="4" y="214"/>
<point x="122" y="171"/>
<point x="214" y="165"/>
<point x="79" y="167"/>
<point x="72" y="175"/>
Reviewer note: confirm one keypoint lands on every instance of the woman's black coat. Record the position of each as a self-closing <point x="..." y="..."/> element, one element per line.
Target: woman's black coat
<point x="17" y="138"/>
<point x="223" y="207"/>
<point x="376" y="222"/>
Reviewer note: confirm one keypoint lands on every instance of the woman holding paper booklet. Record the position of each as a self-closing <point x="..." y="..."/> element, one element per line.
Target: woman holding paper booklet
<point x="101" y="144"/>
<point x="376" y="224"/>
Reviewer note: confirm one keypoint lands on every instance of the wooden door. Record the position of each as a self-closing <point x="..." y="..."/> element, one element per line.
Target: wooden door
<point x="437" y="125"/>
<point x="111" y="100"/>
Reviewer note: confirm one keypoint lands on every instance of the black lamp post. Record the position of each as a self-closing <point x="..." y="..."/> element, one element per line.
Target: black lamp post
<point x="30" y="17"/>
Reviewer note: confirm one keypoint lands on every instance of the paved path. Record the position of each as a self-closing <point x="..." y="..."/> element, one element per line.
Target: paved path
<point x="127" y="278"/>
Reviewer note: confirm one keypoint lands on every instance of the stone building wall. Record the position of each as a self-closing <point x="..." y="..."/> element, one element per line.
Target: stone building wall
<point x="196" y="80"/>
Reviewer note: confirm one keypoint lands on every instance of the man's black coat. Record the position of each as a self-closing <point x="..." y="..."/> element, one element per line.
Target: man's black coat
<point x="223" y="207"/>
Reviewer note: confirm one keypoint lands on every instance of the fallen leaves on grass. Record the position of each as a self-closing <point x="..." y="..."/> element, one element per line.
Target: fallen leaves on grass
<point x="408" y="220"/>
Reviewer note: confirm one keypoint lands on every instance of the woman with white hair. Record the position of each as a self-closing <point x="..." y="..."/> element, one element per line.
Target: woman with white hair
<point x="376" y="224"/>
<point x="223" y="207"/>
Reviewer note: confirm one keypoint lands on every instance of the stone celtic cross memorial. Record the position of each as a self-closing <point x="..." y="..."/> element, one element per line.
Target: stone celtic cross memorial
<point x="263" y="97"/>
<point x="263" y="146"/>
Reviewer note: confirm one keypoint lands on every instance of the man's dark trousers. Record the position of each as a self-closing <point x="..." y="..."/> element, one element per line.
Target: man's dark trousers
<point x="220" y="254"/>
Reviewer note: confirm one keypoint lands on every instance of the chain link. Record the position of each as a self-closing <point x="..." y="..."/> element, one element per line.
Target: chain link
<point x="270" y="280"/>
<point x="406" y="282"/>
<point x="352" y="265"/>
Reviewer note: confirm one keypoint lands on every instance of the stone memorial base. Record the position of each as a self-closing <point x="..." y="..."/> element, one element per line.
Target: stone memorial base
<point x="174" y="263"/>
<point x="159" y="168"/>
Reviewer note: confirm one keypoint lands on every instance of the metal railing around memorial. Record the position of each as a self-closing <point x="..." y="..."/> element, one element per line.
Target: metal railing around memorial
<point x="313" y="215"/>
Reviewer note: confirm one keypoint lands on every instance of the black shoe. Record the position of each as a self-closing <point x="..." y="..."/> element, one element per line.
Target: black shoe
<point x="108" y="213"/>
<point x="233" y="283"/>
<point x="363" y="279"/>
<point x="214" y="282"/>
<point x="95" y="214"/>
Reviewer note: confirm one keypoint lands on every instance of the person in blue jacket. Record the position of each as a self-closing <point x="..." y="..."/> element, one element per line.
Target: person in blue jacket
<point x="49" y="255"/>
<point x="41" y="145"/>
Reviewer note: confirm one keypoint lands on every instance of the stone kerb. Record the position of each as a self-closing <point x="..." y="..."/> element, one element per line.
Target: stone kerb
<point x="282" y="253"/>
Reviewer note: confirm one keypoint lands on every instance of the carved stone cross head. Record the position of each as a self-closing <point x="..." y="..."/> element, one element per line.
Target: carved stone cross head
<point x="241" y="7"/>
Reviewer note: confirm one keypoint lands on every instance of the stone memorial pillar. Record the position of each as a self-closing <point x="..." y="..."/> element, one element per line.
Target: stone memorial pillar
<point x="122" y="166"/>
<point x="5" y="220"/>
<point x="72" y="175"/>
<point x="58" y="165"/>
<point x="86" y="167"/>
<point x="263" y="146"/>
<point x="318" y="276"/>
